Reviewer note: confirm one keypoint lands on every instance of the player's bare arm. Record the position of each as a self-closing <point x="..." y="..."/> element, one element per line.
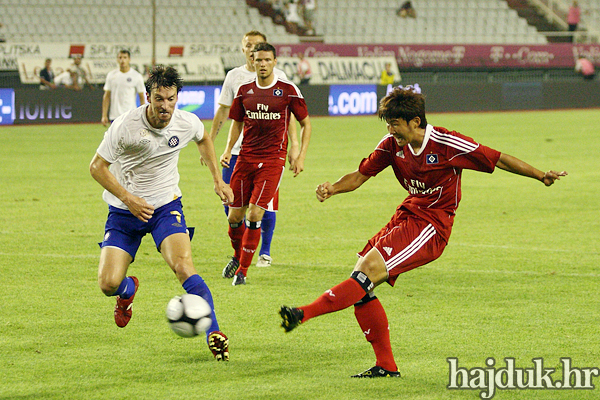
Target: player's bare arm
<point x="218" y="120"/>
<point x="305" y="133"/>
<point x="206" y="148"/>
<point x="519" y="167"/>
<point x="234" y="134"/>
<point x="346" y="183"/>
<point x="105" y="105"/>
<point x="293" y="141"/>
<point x="136" y="205"/>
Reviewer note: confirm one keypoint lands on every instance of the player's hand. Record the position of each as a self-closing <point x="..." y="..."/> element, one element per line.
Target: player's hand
<point x="105" y="121"/>
<point x="139" y="208"/>
<point x="224" y="192"/>
<point x="225" y="159"/>
<point x="324" y="191"/>
<point x="293" y="156"/>
<point x="297" y="165"/>
<point x="551" y="176"/>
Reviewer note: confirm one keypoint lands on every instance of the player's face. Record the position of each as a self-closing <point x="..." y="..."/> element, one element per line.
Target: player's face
<point x="400" y="129"/>
<point x="162" y="105"/>
<point x="248" y="44"/>
<point x="264" y="62"/>
<point x="123" y="60"/>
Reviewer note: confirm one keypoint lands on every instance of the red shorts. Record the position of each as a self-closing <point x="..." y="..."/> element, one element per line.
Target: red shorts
<point x="405" y="243"/>
<point x="256" y="183"/>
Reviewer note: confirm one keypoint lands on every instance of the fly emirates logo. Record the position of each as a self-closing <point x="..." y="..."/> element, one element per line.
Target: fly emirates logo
<point x="416" y="187"/>
<point x="262" y="112"/>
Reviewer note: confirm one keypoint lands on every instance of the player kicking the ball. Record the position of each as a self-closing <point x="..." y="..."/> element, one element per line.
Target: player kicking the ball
<point x="141" y="148"/>
<point x="428" y="162"/>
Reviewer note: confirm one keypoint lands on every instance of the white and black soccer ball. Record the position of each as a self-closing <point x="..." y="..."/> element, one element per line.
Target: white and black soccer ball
<point x="188" y="315"/>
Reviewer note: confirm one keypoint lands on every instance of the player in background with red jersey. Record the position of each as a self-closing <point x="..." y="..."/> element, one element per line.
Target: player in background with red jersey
<point x="262" y="107"/>
<point x="428" y="162"/>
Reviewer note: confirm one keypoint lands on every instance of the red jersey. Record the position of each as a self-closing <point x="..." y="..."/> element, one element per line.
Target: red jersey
<point x="265" y="112"/>
<point x="432" y="176"/>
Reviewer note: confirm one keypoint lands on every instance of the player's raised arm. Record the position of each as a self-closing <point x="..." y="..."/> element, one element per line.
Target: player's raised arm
<point x="346" y="183"/>
<point x="136" y="205"/>
<point x="519" y="167"/>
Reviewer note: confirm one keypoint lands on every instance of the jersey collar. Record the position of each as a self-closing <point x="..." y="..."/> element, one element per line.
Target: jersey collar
<point x="272" y="83"/>
<point x="428" y="131"/>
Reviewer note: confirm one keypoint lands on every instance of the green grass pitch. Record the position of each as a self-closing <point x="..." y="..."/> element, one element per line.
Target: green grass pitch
<point x="519" y="277"/>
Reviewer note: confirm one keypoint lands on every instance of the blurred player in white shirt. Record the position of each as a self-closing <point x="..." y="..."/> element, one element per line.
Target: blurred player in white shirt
<point x="232" y="82"/>
<point x="120" y="88"/>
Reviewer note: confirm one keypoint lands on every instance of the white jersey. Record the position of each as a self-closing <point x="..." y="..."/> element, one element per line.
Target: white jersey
<point x="123" y="87"/>
<point x="233" y="81"/>
<point x="144" y="159"/>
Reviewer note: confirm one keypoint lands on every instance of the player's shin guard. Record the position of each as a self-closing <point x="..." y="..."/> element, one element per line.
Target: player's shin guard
<point x="374" y="323"/>
<point x="196" y="285"/>
<point x="249" y="245"/>
<point x="236" y="233"/>
<point x="339" y="297"/>
<point x="267" y="228"/>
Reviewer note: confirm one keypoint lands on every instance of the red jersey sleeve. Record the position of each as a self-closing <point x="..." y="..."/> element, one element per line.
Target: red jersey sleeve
<point x="379" y="159"/>
<point x="237" y="111"/>
<point x="298" y="107"/>
<point x="482" y="158"/>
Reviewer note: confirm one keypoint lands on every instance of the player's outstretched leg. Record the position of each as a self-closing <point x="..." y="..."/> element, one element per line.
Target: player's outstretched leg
<point x="291" y="317"/>
<point x="219" y="345"/>
<point x="377" y="372"/>
<point x="123" y="311"/>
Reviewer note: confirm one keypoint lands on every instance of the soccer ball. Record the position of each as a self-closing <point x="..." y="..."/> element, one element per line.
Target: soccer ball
<point x="188" y="315"/>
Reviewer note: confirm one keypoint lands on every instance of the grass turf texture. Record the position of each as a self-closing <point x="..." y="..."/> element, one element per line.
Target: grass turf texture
<point x="518" y="279"/>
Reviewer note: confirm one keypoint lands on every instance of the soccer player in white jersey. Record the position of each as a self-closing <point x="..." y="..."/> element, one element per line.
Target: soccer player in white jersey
<point x="136" y="163"/>
<point x="120" y="88"/>
<point x="232" y="82"/>
<point x="428" y="162"/>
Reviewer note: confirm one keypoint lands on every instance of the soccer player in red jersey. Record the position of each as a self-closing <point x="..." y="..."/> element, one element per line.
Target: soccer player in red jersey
<point x="428" y="162"/>
<point x="262" y="107"/>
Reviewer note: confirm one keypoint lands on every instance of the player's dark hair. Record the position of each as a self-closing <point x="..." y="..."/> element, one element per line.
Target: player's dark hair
<point x="124" y="51"/>
<point x="256" y="33"/>
<point x="264" y="46"/>
<point x="161" y="76"/>
<point x="403" y="103"/>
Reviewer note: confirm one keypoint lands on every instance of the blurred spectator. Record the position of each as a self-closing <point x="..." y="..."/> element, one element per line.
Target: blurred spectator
<point x="309" y="15"/>
<point x="573" y="17"/>
<point x="278" y="9"/>
<point x="585" y="67"/>
<point x="292" y="17"/>
<point x="67" y="80"/>
<point x="2" y="33"/>
<point x="406" y="10"/>
<point x="304" y="72"/>
<point x="47" y="76"/>
<point x="82" y="78"/>
<point x="387" y="76"/>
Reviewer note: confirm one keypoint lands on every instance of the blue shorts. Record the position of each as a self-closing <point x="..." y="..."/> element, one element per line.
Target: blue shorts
<point x="125" y="231"/>
<point x="227" y="172"/>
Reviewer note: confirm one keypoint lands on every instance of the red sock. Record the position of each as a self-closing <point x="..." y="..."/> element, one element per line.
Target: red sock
<point x="236" y="234"/>
<point x="249" y="244"/>
<point x="374" y="324"/>
<point x="337" y="298"/>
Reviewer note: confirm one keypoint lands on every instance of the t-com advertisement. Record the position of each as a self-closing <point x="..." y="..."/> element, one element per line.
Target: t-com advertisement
<point x="352" y="99"/>
<point x="199" y="100"/>
<point x="7" y="106"/>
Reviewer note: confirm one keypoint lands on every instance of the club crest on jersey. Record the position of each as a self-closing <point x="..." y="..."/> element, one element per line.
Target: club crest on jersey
<point x="432" y="158"/>
<point x="173" y="141"/>
<point x="278" y="92"/>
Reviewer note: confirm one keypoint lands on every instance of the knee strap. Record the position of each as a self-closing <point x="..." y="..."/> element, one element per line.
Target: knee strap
<point x="363" y="280"/>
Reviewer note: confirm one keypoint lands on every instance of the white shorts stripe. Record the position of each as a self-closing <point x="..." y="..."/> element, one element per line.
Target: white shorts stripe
<point x="412" y="248"/>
